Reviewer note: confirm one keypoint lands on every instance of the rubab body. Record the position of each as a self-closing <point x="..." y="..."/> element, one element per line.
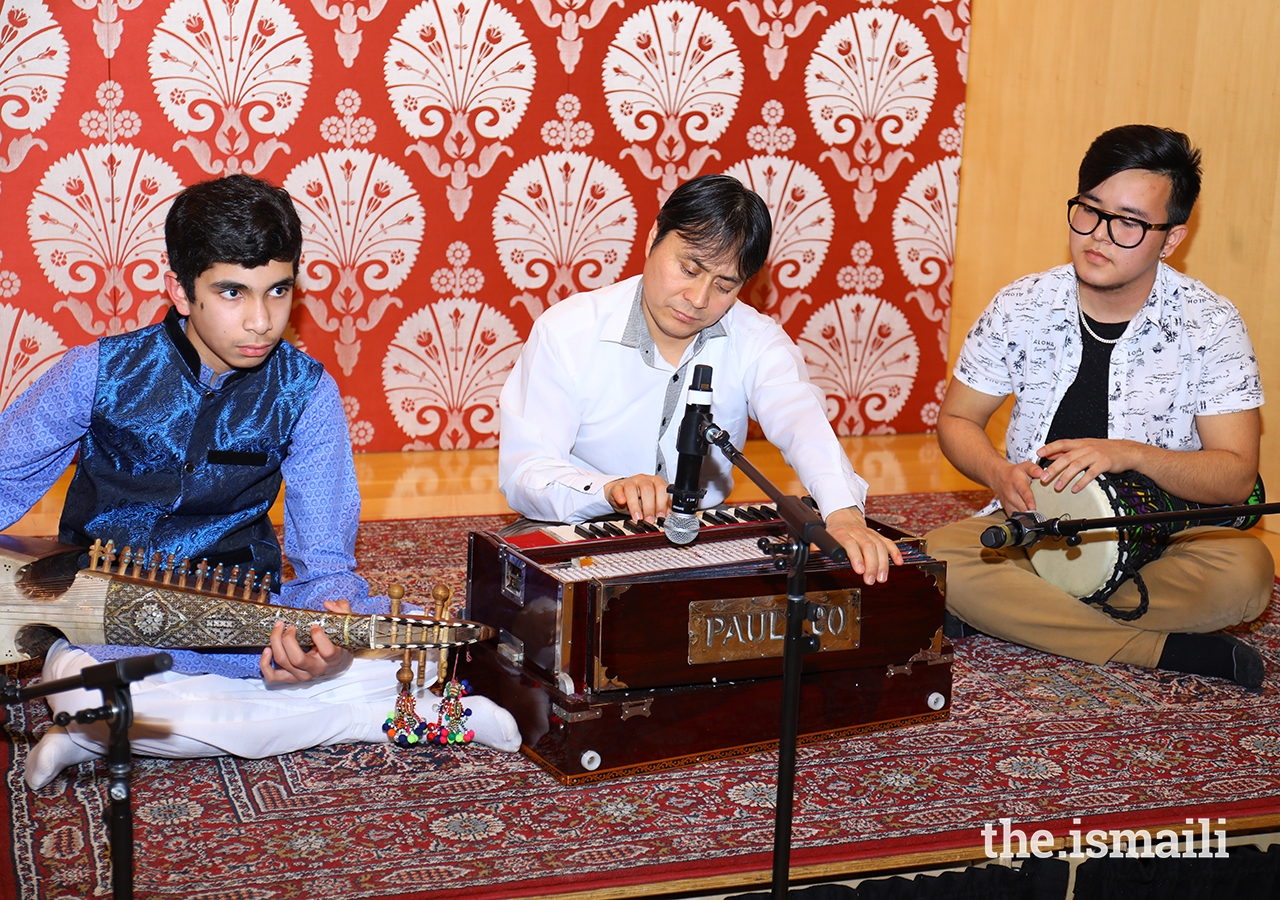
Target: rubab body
<point x="133" y="602"/>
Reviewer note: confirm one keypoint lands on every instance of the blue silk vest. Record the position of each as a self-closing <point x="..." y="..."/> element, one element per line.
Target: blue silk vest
<point x="172" y="465"/>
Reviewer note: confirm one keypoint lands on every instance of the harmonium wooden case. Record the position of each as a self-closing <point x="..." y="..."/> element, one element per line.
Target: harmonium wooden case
<point x="620" y="653"/>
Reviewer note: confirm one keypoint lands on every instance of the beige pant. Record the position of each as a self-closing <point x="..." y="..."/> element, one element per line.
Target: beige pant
<point x="1207" y="579"/>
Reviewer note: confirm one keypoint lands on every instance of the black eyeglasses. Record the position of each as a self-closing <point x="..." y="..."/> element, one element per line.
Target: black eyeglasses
<point x="1124" y="231"/>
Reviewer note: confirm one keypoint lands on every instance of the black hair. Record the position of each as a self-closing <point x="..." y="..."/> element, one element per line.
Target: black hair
<point x="236" y="219"/>
<point x="1160" y="150"/>
<point x="718" y="215"/>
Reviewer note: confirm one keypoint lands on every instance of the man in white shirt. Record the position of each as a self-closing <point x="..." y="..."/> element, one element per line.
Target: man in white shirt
<point x="1117" y="363"/>
<point x="591" y="410"/>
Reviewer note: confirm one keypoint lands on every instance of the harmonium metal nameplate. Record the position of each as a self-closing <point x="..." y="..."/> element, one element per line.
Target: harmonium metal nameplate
<point x="737" y="628"/>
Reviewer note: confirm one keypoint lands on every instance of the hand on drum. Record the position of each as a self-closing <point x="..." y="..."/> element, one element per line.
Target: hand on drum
<point x="1092" y="456"/>
<point x="1013" y="486"/>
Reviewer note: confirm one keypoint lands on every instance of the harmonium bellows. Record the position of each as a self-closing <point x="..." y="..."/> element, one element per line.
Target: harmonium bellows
<point x="623" y="653"/>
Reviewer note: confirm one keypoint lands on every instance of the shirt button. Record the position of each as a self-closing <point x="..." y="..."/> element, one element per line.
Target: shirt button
<point x="664" y="421"/>
<point x="675" y="378"/>
<point x="189" y="468"/>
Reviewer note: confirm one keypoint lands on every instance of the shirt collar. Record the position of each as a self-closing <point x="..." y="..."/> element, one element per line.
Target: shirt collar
<point x="1164" y="286"/>
<point x="636" y="332"/>
<point x="175" y="327"/>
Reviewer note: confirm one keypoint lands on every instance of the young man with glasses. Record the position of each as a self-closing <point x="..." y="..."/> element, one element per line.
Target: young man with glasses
<point x="1117" y="363"/>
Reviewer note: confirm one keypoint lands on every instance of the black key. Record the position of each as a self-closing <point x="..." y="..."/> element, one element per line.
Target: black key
<point x="582" y="532"/>
<point x="597" y="531"/>
<point x="746" y="514"/>
<point x="632" y="526"/>
<point x="612" y="530"/>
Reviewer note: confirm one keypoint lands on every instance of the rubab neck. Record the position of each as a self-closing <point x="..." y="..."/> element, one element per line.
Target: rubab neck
<point x="132" y="602"/>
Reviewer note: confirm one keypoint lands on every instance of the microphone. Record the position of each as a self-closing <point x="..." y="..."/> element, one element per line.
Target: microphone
<point x="681" y="525"/>
<point x="103" y="676"/>
<point x="1021" y="529"/>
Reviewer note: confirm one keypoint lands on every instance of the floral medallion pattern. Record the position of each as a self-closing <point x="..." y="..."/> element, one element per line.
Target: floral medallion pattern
<point x="564" y="224"/>
<point x="871" y="83"/>
<point x="672" y="77"/>
<point x="28" y="347"/>
<point x="242" y="67"/>
<point x="460" y="166"/>
<point x="444" y="370"/>
<point x="463" y="75"/>
<point x="924" y="235"/>
<point x="362" y="223"/>
<point x="34" y="57"/>
<point x="862" y="353"/>
<point x="96" y="223"/>
<point x="802" y="214"/>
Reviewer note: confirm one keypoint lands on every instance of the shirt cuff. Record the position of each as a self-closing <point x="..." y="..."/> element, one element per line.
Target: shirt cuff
<point x="832" y="493"/>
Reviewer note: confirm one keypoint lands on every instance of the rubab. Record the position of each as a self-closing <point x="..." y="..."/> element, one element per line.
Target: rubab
<point x="131" y="601"/>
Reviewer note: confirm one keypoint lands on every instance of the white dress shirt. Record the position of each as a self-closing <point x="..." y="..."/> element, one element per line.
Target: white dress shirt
<point x="584" y="406"/>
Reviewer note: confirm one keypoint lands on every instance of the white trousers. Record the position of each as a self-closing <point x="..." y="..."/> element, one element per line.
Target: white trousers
<point x="182" y="716"/>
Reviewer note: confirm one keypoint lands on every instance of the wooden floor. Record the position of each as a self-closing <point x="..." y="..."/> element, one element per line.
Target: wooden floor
<point x="465" y="482"/>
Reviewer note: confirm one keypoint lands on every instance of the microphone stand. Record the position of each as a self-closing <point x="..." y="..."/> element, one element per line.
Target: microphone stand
<point x="112" y="679"/>
<point x="1069" y="528"/>
<point x="806" y="528"/>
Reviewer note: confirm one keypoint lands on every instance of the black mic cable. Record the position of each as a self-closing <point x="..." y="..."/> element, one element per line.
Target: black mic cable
<point x="681" y="523"/>
<point x="1021" y="529"/>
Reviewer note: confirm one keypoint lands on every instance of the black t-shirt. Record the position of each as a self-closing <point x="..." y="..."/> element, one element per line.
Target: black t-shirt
<point x="1083" y="411"/>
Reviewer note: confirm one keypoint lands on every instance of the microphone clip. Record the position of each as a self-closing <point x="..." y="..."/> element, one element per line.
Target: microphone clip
<point x="1021" y="529"/>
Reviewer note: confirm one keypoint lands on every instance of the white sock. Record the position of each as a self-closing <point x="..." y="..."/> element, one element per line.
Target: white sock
<point x="51" y="754"/>
<point x="493" y="726"/>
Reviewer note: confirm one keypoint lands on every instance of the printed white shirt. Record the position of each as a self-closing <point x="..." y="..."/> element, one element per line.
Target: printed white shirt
<point x="1185" y="354"/>
<point x="583" y="407"/>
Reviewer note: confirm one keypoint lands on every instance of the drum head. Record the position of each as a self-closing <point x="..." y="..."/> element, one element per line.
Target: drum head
<point x="1085" y="569"/>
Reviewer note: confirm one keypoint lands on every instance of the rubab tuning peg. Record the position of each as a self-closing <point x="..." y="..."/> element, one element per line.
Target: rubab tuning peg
<point x="405" y="675"/>
<point x="441" y="594"/>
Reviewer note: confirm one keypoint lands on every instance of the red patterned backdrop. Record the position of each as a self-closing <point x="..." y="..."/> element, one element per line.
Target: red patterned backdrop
<point x="461" y="165"/>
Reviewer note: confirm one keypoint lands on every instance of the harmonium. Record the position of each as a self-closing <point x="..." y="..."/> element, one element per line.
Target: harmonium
<point x="620" y="653"/>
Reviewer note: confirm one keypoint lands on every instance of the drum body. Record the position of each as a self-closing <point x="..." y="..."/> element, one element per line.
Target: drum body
<point x="1102" y="561"/>
<point x="1106" y="558"/>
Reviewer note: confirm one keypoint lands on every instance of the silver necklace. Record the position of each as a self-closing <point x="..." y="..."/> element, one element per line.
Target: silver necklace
<point x="1084" y="323"/>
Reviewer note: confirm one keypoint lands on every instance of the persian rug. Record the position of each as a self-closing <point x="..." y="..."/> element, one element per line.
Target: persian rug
<point x="1033" y="738"/>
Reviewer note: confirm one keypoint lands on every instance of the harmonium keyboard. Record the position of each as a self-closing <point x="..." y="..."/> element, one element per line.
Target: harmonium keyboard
<point x="620" y="653"/>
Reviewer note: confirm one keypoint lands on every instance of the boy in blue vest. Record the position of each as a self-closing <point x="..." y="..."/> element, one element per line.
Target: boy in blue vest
<point x="185" y="432"/>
